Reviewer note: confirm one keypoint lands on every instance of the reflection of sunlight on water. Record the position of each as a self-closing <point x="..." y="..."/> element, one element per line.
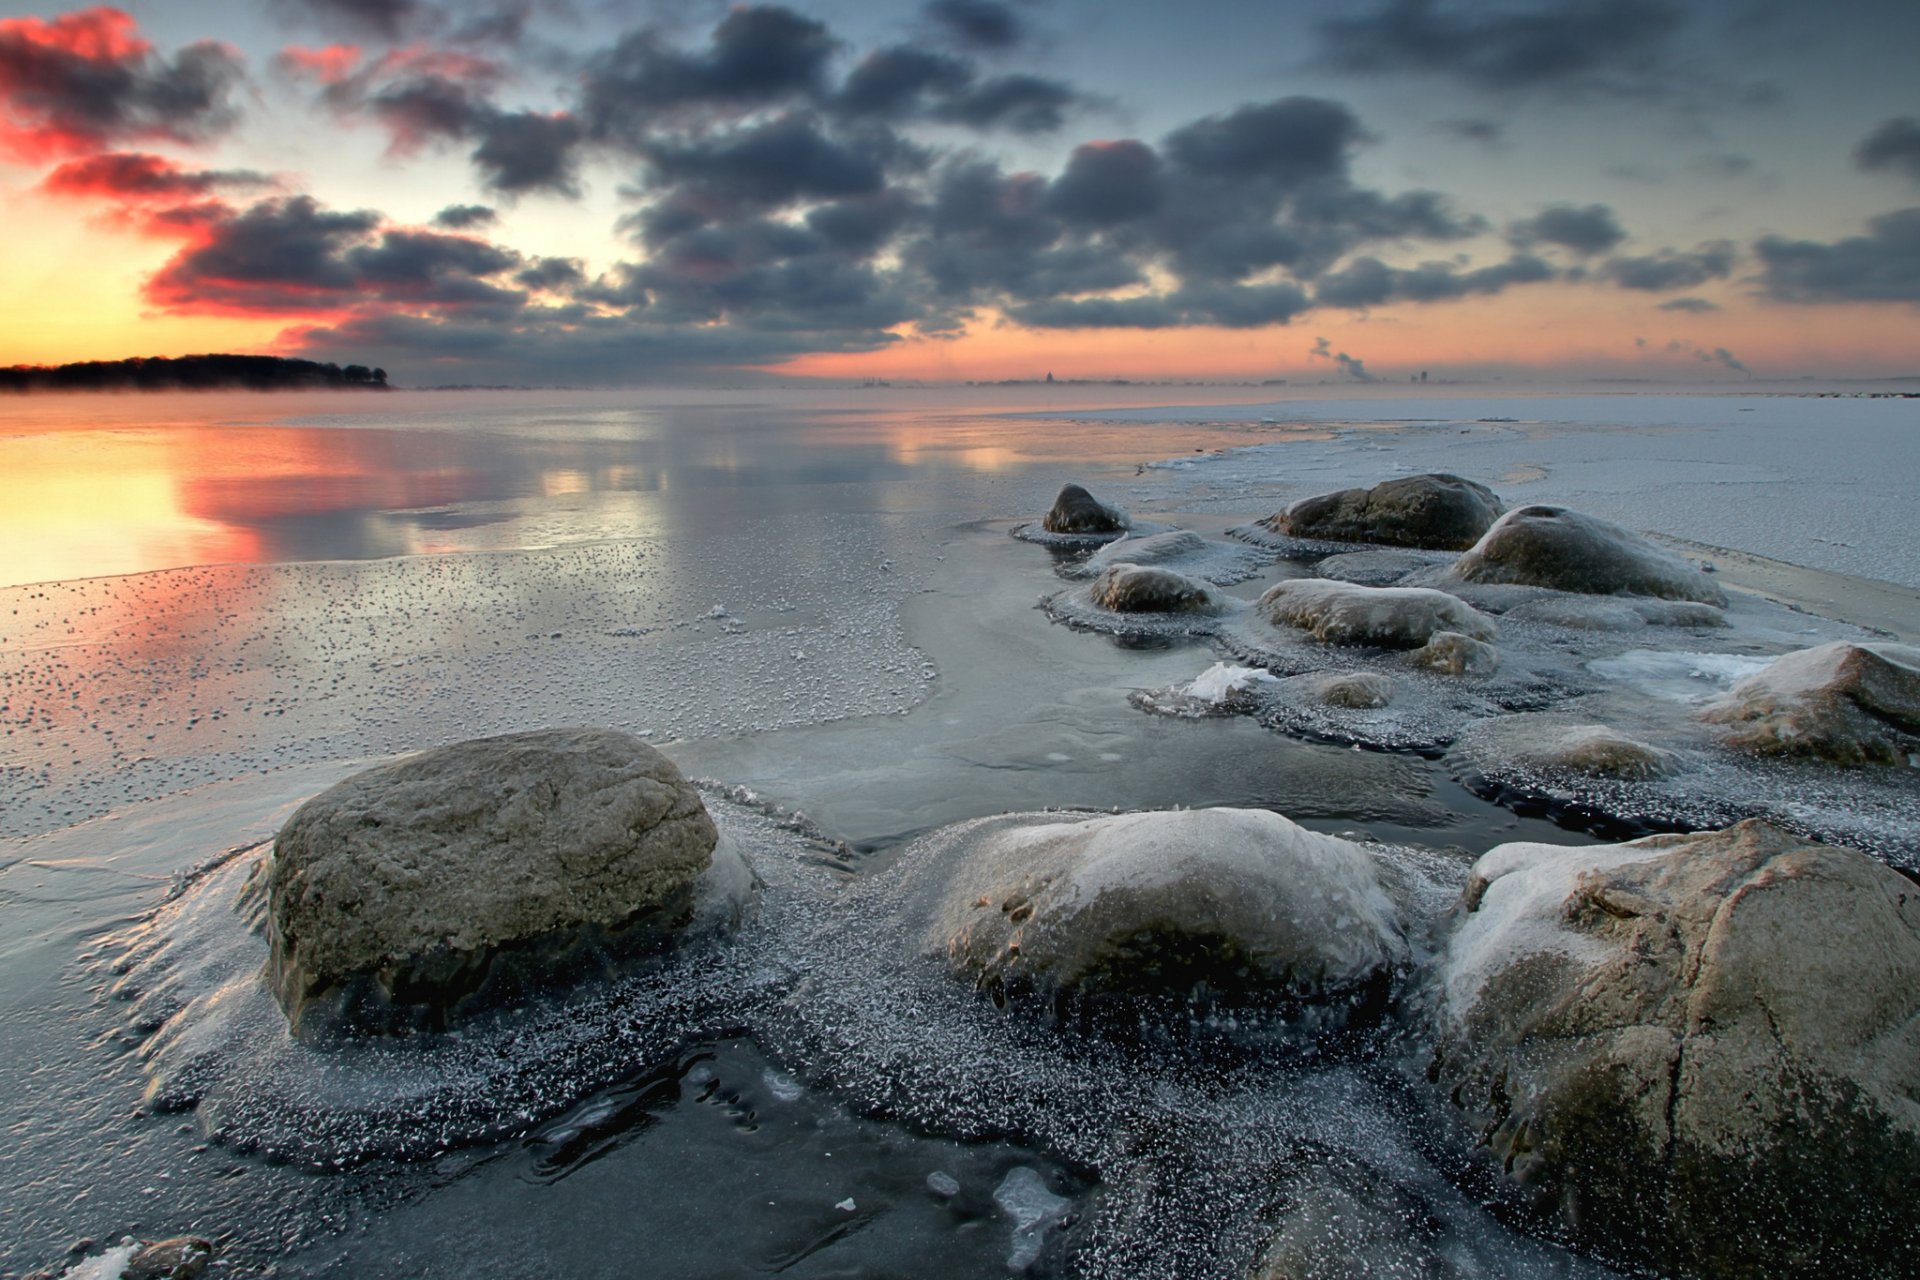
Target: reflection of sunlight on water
<point x="557" y="484"/>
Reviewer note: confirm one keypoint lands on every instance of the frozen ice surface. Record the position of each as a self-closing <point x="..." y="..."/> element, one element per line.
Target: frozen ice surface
<point x="1782" y="476"/>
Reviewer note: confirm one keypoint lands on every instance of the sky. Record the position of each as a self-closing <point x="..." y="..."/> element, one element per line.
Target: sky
<point x="610" y="192"/>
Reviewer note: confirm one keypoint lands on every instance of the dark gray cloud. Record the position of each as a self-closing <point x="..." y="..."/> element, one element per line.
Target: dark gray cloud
<point x="1288" y="142"/>
<point x="1108" y="182"/>
<point x="1548" y="43"/>
<point x="551" y="275"/>
<point x="1673" y="269"/>
<point x="758" y="55"/>
<point x="981" y="24"/>
<point x="291" y="255"/>
<point x="1881" y="266"/>
<point x="390" y="19"/>
<point x="1894" y="144"/>
<point x="523" y="151"/>
<point x="896" y="81"/>
<point x="1488" y="133"/>
<point x="1586" y="231"/>
<point x="781" y="161"/>
<point x="84" y="82"/>
<point x="1695" y="306"/>
<point x="1369" y="282"/>
<point x="1021" y="103"/>
<point x="465" y="217"/>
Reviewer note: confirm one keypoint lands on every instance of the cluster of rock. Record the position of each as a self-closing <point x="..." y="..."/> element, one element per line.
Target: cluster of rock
<point x="1848" y="703"/>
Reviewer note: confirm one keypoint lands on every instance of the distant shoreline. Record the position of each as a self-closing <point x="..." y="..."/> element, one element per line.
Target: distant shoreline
<point x="192" y="373"/>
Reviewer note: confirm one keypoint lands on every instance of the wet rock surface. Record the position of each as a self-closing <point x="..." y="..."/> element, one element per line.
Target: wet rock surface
<point x="1842" y="702"/>
<point x="1158" y="902"/>
<point x="1699" y="1051"/>
<point x="178" y="1258"/>
<point x="1133" y="588"/>
<point x="409" y="893"/>
<point x="1075" y="510"/>
<point x="1387" y="617"/>
<point x="1566" y="550"/>
<point x="1450" y="653"/>
<point x="1439" y="511"/>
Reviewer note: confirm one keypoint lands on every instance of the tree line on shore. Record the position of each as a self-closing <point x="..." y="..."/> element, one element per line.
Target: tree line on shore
<point x="191" y="373"/>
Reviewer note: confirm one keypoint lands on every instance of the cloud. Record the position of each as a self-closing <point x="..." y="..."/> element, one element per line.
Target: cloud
<point x="982" y="24"/>
<point x="1881" y="266"/>
<point x="465" y="217"/>
<point x="1287" y="142"/>
<point x="1108" y="182"/>
<point x="387" y="18"/>
<point x="136" y="177"/>
<point x="1556" y="44"/>
<point x="1672" y="269"/>
<point x="1488" y="133"/>
<point x="86" y="81"/>
<point x="289" y="255"/>
<point x="1894" y="144"/>
<point x="895" y="81"/>
<point x="757" y="56"/>
<point x="786" y="159"/>
<point x="524" y="151"/>
<point x="1697" y="306"/>
<point x="1368" y="282"/>
<point x="1022" y="103"/>
<point x="1588" y="231"/>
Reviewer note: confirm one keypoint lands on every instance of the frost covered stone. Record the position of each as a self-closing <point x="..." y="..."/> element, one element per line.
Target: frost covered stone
<point x="1553" y="547"/>
<point x="1390" y="617"/>
<point x="1545" y="744"/>
<point x="1238" y="899"/>
<point x="411" y="891"/>
<point x="1347" y="690"/>
<point x="1849" y="703"/>
<point x="1453" y="654"/>
<point x="1077" y="511"/>
<point x="1133" y="588"/>
<point x="1439" y="511"/>
<point x="1702" y="1050"/>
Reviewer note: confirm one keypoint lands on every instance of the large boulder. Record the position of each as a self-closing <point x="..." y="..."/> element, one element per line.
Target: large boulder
<point x="1389" y="617"/>
<point x="1566" y="550"/>
<point x="1849" y="703"/>
<point x="1239" y="900"/>
<point x="1134" y="588"/>
<point x="1077" y="511"/>
<point x="417" y="891"/>
<point x="1555" y="747"/>
<point x="1702" y="1050"/>
<point x="1439" y="511"/>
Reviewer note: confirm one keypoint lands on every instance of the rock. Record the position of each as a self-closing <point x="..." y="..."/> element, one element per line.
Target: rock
<point x="1133" y="588"/>
<point x="1374" y="568"/>
<point x="1452" y="654"/>
<point x="1568" y="551"/>
<point x="1702" y="1050"/>
<point x="1347" y="690"/>
<point x="1155" y="548"/>
<point x="1848" y="703"/>
<point x="1441" y="511"/>
<point x="1077" y="511"/>
<point x="1240" y="900"/>
<point x="416" y="891"/>
<point x="1592" y="613"/>
<point x="1340" y="1219"/>
<point x="1545" y="744"/>
<point x="181" y="1258"/>
<point x="1390" y="617"/>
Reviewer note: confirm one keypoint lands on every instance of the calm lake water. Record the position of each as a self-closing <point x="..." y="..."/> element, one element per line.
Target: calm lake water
<point x="211" y="607"/>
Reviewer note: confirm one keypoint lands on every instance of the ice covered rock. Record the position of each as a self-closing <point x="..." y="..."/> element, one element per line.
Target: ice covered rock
<point x="1569" y="551"/>
<point x="1375" y="568"/>
<point x="1134" y="588"/>
<point x="1439" y="511"/>
<point x="1849" y="703"/>
<point x="1702" y="1050"/>
<point x="1390" y="617"/>
<point x="1155" y="548"/>
<point x="1453" y="654"/>
<point x="1077" y="511"/>
<point x="415" y="891"/>
<point x="1347" y="690"/>
<point x="1611" y="613"/>
<point x="1240" y="900"/>
<point x="1224" y="683"/>
<point x="1548" y="744"/>
<point x="178" y="1258"/>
